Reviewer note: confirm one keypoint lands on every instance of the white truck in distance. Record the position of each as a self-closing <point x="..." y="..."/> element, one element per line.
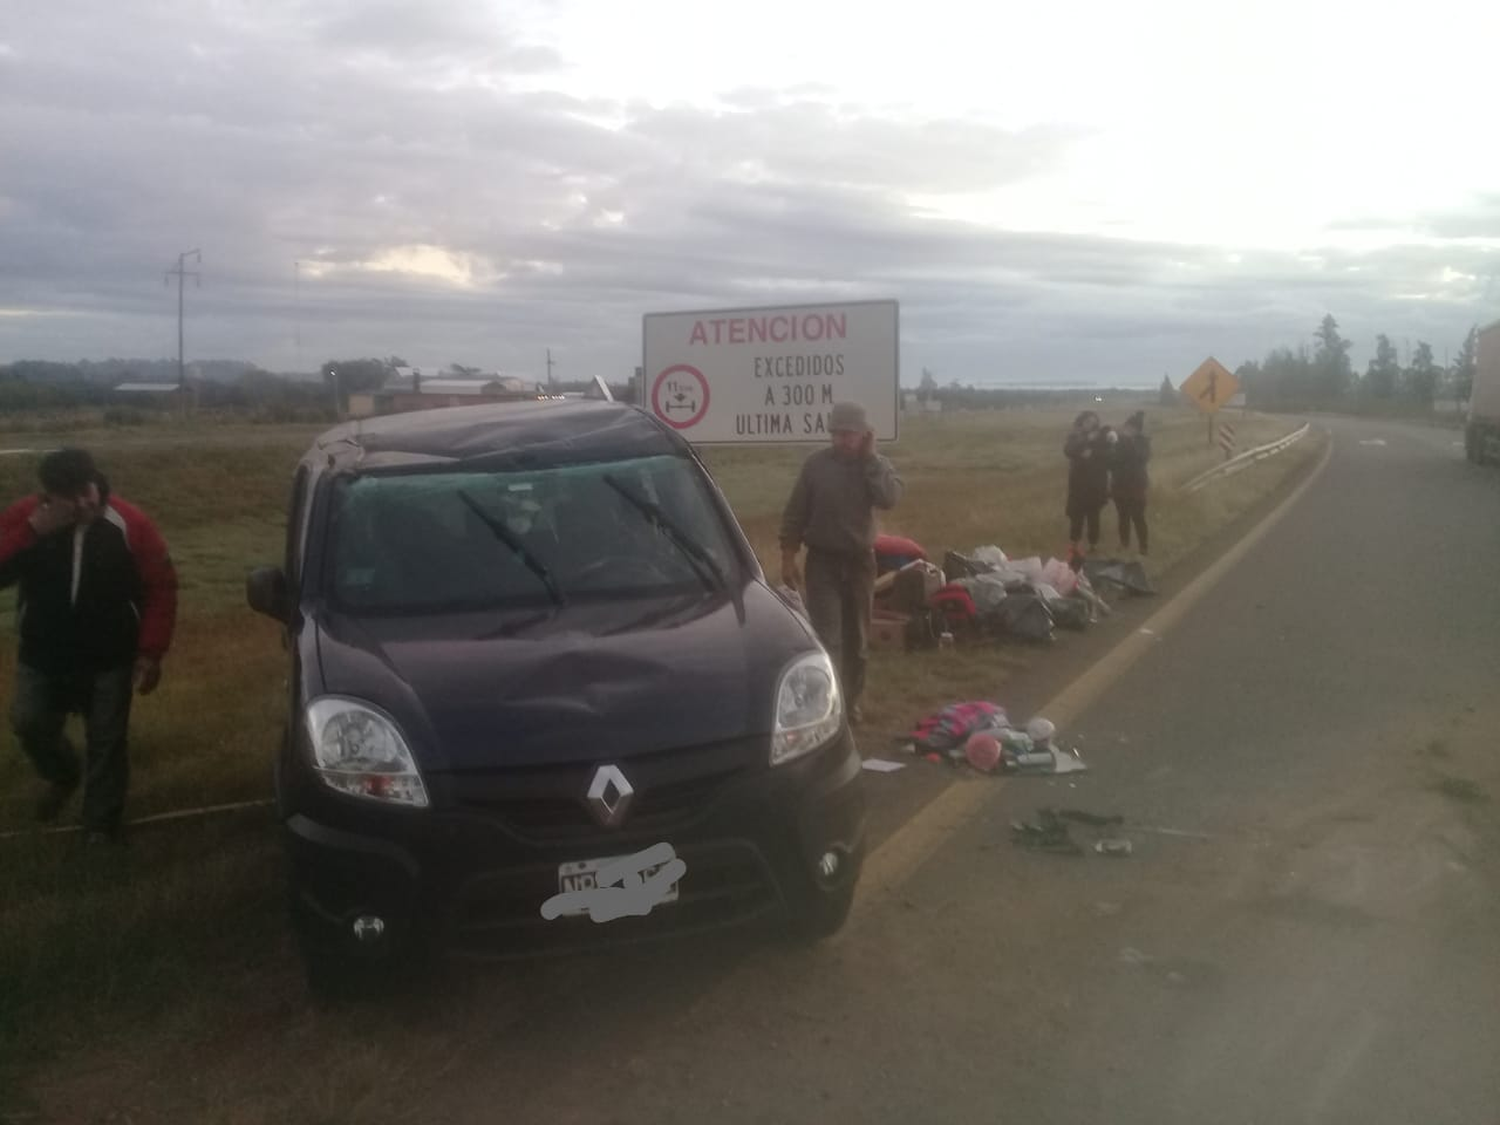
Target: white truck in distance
<point x="1482" y="434"/>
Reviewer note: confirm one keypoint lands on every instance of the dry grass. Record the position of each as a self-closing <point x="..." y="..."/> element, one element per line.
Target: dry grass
<point x="998" y="477"/>
<point x="84" y="939"/>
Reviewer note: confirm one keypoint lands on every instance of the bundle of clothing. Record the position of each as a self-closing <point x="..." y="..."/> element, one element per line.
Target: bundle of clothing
<point x="989" y="594"/>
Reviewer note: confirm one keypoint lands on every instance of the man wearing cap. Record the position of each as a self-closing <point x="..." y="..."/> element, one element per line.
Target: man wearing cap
<point x="832" y="513"/>
<point x="98" y="602"/>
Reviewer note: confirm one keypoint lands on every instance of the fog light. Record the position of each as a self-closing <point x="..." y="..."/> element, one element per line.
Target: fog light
<point x="368" y="928"/>
<point x="828" y="866"/>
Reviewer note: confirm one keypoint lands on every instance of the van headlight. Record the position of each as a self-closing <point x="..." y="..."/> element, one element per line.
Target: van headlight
<point x="359" y="751"/>
<point x="809" y="708"/>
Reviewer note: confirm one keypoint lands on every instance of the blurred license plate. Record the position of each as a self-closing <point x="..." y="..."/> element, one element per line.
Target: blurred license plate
<point x="582" y="875"/>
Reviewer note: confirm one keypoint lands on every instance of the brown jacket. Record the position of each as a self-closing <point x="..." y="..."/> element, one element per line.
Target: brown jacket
<point x="832" y="506"/>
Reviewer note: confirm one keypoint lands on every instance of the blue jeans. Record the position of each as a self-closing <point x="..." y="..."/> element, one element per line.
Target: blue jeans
<point x="38" y="714"/>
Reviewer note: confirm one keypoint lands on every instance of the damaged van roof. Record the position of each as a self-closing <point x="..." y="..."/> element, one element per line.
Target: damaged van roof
<point x="497" y="436"/>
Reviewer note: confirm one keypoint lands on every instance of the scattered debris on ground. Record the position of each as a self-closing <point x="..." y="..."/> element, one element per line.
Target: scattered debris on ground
<point x="1050" y="832"/>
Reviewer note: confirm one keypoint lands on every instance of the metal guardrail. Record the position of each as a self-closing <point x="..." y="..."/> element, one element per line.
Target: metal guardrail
<point x="1247" y="458"/>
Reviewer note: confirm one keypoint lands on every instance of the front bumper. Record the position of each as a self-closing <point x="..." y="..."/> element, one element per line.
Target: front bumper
<point x="470" y="875"/>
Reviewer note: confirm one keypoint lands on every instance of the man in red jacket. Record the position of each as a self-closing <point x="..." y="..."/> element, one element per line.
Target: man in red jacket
<point x="98" y="602"/>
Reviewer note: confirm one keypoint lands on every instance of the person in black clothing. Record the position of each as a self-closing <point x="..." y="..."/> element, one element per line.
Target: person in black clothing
<point x="1130" y="482"/>
<point x="97" y="607"/>
<point x="1087" y="450"/>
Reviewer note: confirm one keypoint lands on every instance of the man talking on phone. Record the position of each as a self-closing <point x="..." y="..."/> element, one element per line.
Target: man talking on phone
<point x="98" y="603"/>
<point x="832" y="513"/>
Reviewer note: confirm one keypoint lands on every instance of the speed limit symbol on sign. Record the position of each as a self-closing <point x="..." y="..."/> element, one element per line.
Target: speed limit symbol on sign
<point x="680" y="396"/>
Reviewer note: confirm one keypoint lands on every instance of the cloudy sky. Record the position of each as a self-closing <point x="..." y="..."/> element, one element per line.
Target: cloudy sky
<point x="1092" y="191"/>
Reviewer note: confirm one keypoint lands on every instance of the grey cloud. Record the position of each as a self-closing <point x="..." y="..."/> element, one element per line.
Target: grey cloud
<point x="1480" y="219"/>
<point x="404" y="32"/>
<point x="329" y="133"/>
<point x="808" y="140"/>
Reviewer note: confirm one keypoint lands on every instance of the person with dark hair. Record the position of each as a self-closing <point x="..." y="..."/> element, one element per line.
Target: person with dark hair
<point x="1087" y="450"/>
<point x="832" y="513"/>
<point x="1130" y="482"/>
<point x="97" y="608"/>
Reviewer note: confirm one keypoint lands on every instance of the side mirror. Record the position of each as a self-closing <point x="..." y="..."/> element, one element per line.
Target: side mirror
<point x="265" y="590"/>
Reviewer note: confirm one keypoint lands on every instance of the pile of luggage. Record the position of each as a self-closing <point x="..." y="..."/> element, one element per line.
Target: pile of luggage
<point x="985" y="595"/>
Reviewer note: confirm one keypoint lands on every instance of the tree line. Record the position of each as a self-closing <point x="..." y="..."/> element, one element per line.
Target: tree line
<point x="957" y="395"/>
<point x="1322" y="376"/>
<point x="37" y="386"/>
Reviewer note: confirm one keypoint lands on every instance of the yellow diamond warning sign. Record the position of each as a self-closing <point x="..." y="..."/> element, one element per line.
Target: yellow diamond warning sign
<point x="1211" y="386"/>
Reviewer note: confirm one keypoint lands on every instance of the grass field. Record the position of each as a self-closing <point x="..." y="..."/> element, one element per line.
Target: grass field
<point x="86" y="939"/>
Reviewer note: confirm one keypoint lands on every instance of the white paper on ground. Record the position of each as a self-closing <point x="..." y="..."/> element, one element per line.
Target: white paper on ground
<point x="881" y="765"/>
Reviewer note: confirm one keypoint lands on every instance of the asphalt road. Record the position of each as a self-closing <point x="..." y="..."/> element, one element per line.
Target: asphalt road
<point x="1307" y="929"/>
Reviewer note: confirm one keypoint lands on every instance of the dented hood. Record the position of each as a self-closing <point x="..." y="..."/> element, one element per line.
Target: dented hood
<point x="615" y="680"/>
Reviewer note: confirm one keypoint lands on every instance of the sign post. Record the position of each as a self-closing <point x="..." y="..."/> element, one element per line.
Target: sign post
<point x="771" y="375"/>
<point x="1226" y="439"/>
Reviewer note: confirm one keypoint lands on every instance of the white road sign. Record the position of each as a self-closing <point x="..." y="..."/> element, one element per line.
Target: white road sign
<point x="772" y="375"/>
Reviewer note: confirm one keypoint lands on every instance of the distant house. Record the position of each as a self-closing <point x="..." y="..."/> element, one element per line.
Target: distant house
<point x="150" y="394"/>
<point x="486" y="386"/>
<point x="410" y="390"/>
<point x="1450" y="407"/>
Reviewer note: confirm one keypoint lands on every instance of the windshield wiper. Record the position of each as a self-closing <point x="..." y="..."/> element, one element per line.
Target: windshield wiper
<point x="509" y="538"/>
<point x="703" y="563"/>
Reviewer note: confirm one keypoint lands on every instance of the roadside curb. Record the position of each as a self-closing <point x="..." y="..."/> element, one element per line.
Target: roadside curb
<point x="899" y="856"/>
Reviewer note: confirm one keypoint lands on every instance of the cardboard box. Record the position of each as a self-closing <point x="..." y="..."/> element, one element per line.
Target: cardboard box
<point x="888" y="629"/>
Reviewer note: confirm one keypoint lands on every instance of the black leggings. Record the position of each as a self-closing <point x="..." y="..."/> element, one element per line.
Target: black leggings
<point x="1076" y="520"/>
<point x="1132" y="512"/>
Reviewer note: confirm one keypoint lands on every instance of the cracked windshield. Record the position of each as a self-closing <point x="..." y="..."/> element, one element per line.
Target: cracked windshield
<point x="567" y="561"/>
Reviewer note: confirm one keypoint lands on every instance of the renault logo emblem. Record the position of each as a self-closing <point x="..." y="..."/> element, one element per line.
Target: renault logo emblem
<point x="610" y="796"/>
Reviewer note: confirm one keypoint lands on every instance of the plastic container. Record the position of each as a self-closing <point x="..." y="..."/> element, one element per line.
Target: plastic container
<point x="1041" y="732"/>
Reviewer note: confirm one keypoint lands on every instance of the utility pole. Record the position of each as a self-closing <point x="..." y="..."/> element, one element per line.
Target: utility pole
<point x="550" y="365"/>
<point x="297" y="311"/>
<point x="181" y="273"/>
